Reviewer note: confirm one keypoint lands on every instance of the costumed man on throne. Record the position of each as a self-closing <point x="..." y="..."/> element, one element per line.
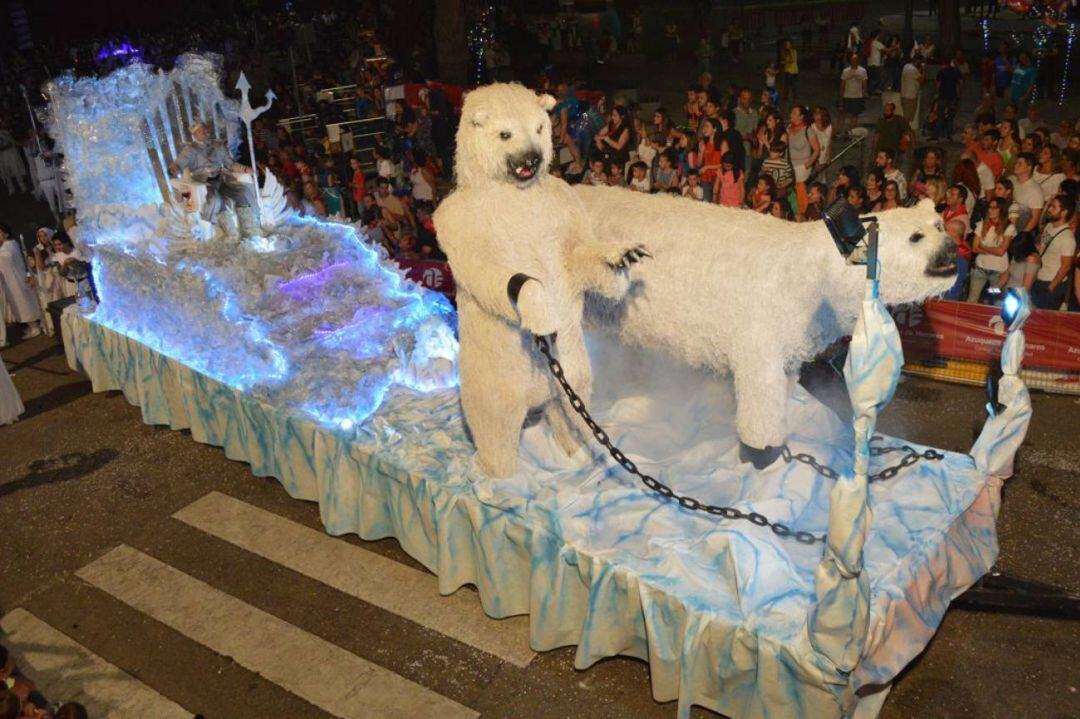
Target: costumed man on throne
<point x="229" y="185"/>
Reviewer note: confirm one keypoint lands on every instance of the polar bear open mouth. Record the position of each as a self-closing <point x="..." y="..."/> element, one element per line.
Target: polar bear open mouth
<point x="523" y="168"/>
<point x="943" y="262"/>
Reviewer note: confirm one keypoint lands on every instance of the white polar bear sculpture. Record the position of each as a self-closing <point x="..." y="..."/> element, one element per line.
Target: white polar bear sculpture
<point x="523" y="255"/>
<point x="733" y="290"/>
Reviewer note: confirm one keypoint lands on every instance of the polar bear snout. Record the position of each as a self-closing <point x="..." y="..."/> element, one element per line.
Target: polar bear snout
<point x="523" y="167"/>
<point x="943" y="262"/>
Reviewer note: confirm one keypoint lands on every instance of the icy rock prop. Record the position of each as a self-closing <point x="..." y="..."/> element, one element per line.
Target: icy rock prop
<point x="310" y="316"/>
<point x="1006" y="428"/>
<point x="839" y="619"/>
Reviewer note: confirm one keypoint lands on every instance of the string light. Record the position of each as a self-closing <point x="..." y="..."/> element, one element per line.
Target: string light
<point x="481" y="39"/>
<point x="985" y="22"/>
<point x="1068" y="63"/>
<point x="1042" y="37"/>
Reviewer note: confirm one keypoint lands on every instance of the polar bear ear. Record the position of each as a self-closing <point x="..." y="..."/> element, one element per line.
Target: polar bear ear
<point x="479" y="118"/>
<point x="926" y="205"/>
<point x="546" y="101"/>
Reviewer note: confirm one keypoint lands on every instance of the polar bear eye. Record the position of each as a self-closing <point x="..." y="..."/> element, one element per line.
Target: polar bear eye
<point x="504" y="135"/>
<point x="917" y="236"/>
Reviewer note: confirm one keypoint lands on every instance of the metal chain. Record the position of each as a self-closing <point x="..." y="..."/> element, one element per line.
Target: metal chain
<point x="690" y="503"/>
<point x="652" y="483"/>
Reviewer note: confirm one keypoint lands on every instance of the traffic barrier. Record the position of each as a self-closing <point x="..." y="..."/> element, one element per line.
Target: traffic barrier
<point x="958" y="341"/>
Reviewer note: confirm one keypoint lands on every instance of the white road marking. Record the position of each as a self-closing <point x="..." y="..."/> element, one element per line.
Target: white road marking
<point x="312" y="668"/>
<point x="405" y="591"/>
<point x="65" y="670"/>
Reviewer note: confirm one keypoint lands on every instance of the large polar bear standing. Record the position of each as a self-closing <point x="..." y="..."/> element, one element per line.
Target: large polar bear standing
<point x="734" y="290"/>
<point x="523" y="255"/>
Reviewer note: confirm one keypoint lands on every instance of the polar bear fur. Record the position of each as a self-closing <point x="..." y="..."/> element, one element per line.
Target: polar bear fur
<point x="733" y="290"/>
<point x="523" y="255"/>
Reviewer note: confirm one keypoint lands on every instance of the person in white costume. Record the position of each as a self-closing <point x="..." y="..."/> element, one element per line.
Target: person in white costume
<point x="21" y="303"/>
<point x="11" y="405"/>
<point x="47" y="172"/>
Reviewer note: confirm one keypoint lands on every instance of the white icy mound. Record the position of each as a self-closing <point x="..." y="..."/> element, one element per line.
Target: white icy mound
<point x="327" y="325"/>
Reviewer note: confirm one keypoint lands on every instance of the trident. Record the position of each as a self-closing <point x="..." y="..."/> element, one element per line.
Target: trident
<point x="248" y="115"/>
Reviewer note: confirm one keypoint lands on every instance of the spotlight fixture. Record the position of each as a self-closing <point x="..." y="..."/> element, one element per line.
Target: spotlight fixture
<point x="847" y="230"/>
<point x="1015" y="308"/>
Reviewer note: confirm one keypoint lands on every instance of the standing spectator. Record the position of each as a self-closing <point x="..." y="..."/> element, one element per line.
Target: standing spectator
<point x="1027" y="193"/>
<point x="894" y="62"/>
<point x="332" y="196"/>
<point x="1023" y="263"/>
<point x="778" y="168"/>
<point x="890" y="196"/>
<point x="911" y="80"/>
<point x="20" y="299"/>
<point x="950" y="83"/>
<point x="358" y="185"/>
<point x="853" y="43"/>
<point x="803" y="148"/>
<point x="731" y="182"/>
<point x="875" y="195"/>
<point x="993" y="234"/>
<point x="957" y="231"/>
<point x="1022" y="83"/>
<point x="745" y="119"/>
<point x="708" y="156"/>
<point x="956" y="209"/>
<point x="616" y="137"/>
<point x="986" y="152"/>
<point x="789" y="65"/>
<point x="931" y="166"/>
<point x="891" y="130"/>
<point x="1009" y="144"/>
<point x="1030" y="122"/>
<point x="693" y="108"/>
<point x="704" y="53"/>
<point x="1048" y="174"/>
<point x="923" y="50"/>
<point x="853" y="90"/>
<point x="771" y="75"/>
<point x="730" y="139"/>
<point x="875" y="62"/>
<point x="885" y="160"/>
<point x="822" y="131"/>
<point x="1057" y="246"/>
<point x="423" y="183"/>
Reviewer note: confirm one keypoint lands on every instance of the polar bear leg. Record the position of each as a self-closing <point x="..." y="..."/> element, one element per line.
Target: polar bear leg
<point x="568" y="439"/>
<point x="762" y="389"/>
<point x="495" y="414"/>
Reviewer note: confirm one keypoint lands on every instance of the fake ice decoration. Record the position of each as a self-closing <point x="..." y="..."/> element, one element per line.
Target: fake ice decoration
<point x="310" y="316"/>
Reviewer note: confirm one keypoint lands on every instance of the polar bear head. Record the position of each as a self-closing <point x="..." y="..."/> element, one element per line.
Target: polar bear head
<point x="918" y="260"/>
<point x="504" y="136"/>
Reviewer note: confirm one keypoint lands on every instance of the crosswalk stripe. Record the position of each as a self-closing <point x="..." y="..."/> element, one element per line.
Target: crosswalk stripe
<point x="375" y="579"/>
<point x="312" y="668"/>
<point x="65" y="670"/>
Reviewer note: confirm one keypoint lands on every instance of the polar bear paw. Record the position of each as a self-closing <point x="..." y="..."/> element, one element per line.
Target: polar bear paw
<point x="536" y="310"/>
<point x="605" y="267"/>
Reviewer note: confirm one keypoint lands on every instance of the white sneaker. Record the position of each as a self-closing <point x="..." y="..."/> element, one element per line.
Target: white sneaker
<point x="31" y="333"/>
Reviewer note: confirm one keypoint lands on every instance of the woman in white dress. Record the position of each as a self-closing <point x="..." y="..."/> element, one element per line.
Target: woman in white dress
<point x="21" y="302"/>
<point x="11" y="405"/>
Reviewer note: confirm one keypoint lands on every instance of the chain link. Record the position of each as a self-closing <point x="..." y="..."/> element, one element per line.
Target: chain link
<point x="781" y="530"/>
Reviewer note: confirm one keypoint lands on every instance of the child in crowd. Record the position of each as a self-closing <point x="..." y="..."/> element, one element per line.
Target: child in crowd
<point x="639" y="182"/>
<point x="666" y="176"/>
<point x="384" y="166"/>
<point x="730" y="190"/>
<point x="617" y="175"/>
<point x="358" y="183"/>
<point x="596" y="174"/>
<point x="777" y="167"/>
<point x="693" y="188"/>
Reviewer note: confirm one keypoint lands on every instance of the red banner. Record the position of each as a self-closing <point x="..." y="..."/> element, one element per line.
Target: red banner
<point x="431" y="274"/>
<point x="964" y="330"/>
